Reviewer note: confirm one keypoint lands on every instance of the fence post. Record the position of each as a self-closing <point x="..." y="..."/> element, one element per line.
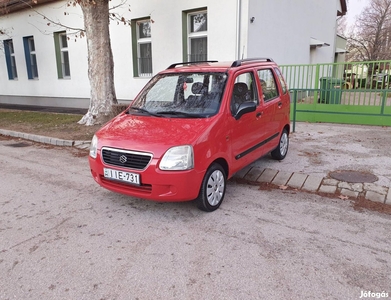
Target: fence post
<point x="316" y="86"/>
<point x="294" y="109"/>
<point x="383" y="102"/>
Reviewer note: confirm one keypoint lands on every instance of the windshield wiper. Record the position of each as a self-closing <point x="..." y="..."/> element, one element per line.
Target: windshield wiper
<point x="179" y="113"/>
<point x="142" y="110"/>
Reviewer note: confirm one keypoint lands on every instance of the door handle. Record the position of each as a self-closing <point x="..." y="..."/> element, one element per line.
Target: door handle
<point x="279" y="104"/>
<point x="259" y="114"/>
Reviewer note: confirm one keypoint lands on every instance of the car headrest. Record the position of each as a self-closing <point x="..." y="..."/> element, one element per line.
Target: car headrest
<point x="197" y="87"/>
<point x="240" y="89"/>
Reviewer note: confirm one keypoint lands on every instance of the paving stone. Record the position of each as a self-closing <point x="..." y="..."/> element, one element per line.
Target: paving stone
<point x="375" y="188"/>
<point x="297" y="180"/>
<point x="358" y="187"/>
<point x="243" y="172"/>
<point x="328" y="189"/>
<point x="349" y="193"/>
<point x="388" y="198"/>
<point x="312" y="183"/>
<point x="376" y="197"/>
<point x="330" y="181"/>
<point x="253" y="174"/>
<point x="267" y="175"/>
<point x="282" y="178"/>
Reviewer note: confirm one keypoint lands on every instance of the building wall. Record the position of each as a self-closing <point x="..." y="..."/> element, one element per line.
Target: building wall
<point x="280" y="30"/>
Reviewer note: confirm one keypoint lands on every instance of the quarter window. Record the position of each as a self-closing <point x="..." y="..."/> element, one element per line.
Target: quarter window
<point x="198" y="36"/>
<point x="282" y="81"/>
<point x="268" y="84"/>
<point x="31" y="57"/>
<point x="10" y="59"/>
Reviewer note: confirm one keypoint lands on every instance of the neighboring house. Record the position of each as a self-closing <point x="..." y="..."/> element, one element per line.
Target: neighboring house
<point x="45" y="64"/>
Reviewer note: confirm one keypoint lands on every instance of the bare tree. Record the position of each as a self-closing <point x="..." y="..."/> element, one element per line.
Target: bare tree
<point x="341" y="25"/>
<point x="97" y="17"/>
<point x="370" y="38"/>
<point x="100" y="61"/>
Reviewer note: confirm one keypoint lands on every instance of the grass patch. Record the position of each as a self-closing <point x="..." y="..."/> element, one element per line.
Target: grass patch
<point x="37" y="118"/>
<point x="63" y="126"/>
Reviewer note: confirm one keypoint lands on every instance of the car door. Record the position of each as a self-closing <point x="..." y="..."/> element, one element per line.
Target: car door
<point x="271" y="100"/>
<point x="247" y="133"/>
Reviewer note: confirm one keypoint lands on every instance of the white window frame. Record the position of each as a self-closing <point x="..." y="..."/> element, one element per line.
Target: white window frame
<point x="33" y="58"/>
<point x="12" y="59"/>
<point x="64" y="49"/>
<point x="194" y="35"/>
<point x="143" y="41"/>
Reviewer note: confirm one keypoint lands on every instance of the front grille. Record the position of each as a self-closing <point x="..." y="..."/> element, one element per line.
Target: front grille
<point x="126" y="159"/>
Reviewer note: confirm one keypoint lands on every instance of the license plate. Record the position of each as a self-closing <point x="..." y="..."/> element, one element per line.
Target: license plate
<point x="122" y="176"/>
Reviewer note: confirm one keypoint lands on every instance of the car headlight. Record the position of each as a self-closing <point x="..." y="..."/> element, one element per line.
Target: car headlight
<point x="178" y="158"/>
<point x="94" y="147"/>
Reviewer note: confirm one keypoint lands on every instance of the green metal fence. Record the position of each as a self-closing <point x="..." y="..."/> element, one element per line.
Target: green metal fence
<point x="354" y="92"/>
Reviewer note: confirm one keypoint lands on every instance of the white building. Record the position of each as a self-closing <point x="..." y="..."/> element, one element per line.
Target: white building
<point x="46" y="64"/>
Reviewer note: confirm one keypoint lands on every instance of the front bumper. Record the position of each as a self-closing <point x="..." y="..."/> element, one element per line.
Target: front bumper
<point x="155" y="184"/>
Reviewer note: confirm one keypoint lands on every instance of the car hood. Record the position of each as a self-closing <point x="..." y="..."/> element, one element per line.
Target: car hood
<point x="152" y="134"/>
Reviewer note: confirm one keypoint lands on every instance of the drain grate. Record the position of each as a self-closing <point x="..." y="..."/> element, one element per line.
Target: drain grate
<point x="19" y="145"/>
<point x="354" y="176"/>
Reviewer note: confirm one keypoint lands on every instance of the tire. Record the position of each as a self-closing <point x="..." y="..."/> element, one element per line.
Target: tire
<point x="282" y="149"/>
<point x="212" y="188"/>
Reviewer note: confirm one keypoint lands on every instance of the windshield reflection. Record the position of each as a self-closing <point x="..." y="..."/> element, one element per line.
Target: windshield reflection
<point x="186" y="95"/>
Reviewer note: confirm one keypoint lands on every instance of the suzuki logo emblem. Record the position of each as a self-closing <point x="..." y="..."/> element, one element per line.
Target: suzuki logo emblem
<point x="123" y="159"/>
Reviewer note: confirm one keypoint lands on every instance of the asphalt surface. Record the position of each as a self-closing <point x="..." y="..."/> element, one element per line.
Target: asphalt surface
<point x="64" y="237"/>
<point x="318" y="152"/>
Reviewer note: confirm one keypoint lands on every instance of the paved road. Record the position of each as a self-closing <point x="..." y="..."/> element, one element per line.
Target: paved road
<point x="64" y="237"/>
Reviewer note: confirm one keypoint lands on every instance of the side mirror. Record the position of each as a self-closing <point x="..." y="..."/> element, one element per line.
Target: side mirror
<point x="244" y="108"/>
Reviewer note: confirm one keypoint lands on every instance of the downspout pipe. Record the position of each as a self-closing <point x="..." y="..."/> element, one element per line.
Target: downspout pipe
<point x="238" y="27"/>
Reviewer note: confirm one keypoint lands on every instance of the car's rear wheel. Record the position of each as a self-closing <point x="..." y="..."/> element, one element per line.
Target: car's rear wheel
<point x="212" y="188"/>
<point x="282" y="149"/>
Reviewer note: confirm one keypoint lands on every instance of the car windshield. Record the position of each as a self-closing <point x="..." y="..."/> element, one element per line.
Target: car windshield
<point x="184" y="95"/>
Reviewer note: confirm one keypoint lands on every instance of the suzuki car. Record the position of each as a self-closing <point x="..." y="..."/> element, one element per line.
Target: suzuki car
<point x="191" y="128"/>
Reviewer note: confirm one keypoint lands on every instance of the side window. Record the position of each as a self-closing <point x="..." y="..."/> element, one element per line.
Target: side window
<point x="268" y="84"/>
<point x="244" y="90"/>
<point x="142" y="47"/>
<point x="282" y="81"/>
<point x="62" y="55"/>
<point x="10" y="59"/>
<point x="197" y="36"/>
<point x="31" y="57"/>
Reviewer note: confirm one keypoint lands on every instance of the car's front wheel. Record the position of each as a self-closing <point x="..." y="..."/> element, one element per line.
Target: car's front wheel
<point x="212" y="188"/>
<point x="282" y="149"/>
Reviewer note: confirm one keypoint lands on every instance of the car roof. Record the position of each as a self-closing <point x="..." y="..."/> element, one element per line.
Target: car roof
<point x="216" y="66"/>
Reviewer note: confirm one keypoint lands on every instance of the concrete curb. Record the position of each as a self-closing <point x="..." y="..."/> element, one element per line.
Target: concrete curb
<point x="314" y="183"/>
<point x="46" y="140"/>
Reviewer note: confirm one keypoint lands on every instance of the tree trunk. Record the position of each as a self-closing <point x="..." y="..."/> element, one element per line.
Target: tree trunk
<point x="100" y="61"/>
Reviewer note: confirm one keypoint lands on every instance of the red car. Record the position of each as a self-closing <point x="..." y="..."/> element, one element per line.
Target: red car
<point x="192" y="127"/>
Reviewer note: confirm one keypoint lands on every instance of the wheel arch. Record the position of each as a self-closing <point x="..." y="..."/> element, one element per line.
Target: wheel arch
<point x="223" y="163"/>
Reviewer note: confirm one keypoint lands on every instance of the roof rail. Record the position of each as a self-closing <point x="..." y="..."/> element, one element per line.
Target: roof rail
<point x="191" y="63"/>
<point x="238" y="63"/>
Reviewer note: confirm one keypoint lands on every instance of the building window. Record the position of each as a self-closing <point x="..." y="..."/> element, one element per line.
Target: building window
<point x="142" y="47"/>
<point x="197" y="36"/>
<point x="62" y="55"/>
<point x="10" y="59"/>
<point x="31" y="57"/>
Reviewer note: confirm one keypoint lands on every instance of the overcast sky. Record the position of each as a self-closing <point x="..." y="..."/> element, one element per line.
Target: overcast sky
<point x="355" y="7"/>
